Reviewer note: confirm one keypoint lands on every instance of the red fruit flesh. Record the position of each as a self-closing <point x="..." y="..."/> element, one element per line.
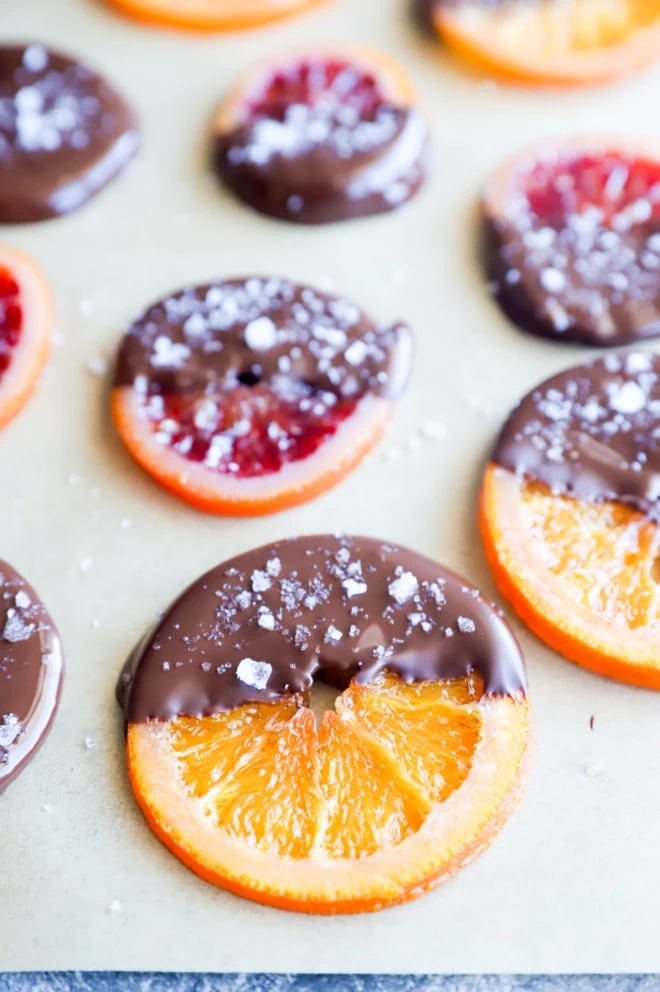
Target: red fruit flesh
<point x="613" y="183"/>
<point x="11" y="317"/>
<point x="319" y="83"/>
<point x="252" y="430"/>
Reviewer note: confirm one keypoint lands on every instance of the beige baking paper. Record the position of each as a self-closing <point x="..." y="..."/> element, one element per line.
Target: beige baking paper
<point x="572" y="883"/>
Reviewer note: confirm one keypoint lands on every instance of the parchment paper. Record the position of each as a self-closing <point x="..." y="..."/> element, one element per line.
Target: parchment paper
<point x="572" y="883"/>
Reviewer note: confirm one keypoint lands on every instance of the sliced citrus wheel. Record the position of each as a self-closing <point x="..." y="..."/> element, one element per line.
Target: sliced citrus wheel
<point x="322" y="135"/>
<point x="25" y="324"/>
<point x="211" y="15"/>
<point x="404" y="783"/>
<point x="557" y="42"/>
<point x="64" y="133"/>
<point x="573" y="240"/>
<point x="30" y="673"/>
<point x="250" y="396"/>
<point x="569" y="515"/>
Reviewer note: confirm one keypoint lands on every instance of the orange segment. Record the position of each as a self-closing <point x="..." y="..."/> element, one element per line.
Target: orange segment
<point x="581" y="575"/>
<point x="362" y="815"/>
<point x="568" y="42"/>
<point x="421" y="727"/>
<point x="369" y="803"/>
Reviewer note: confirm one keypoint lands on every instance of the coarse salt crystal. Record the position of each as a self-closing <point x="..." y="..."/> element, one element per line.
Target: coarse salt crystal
<point x="260" y="581"/>
<point x="332" y="635"/>
<point x="628" y="398"/>
<point x="354" y="587"/>
<point x="403" y="588"/>
<point x="356" y="353"/>
<point x="261" y="334"/>
<point x="22" y="599"/>
<point x="553" y="280"/>
<point x="466" y="625"/>
<point x="267" y="621"/>
<point x="254" y="673"/>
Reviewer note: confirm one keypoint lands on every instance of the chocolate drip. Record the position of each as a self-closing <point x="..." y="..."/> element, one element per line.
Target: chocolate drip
<point x="30" y="673"/>
<point x="64" y="133"/>
<point x="592" y="432"/>
<point x="281" y="170"/>
<point x="207" y="339"/>
<point x="261" y="626"/>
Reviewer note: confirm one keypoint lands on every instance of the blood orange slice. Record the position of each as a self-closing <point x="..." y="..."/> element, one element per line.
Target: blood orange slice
<point x="322" y="135"/>
<point x="211" y="15"/>
<point x="559" y="42"/>
<point x="569" y="515"/>
<point x="25" y="326"/>
<point x="573" y="240"/>
<point x="404" y="783"/>
<point x="250" y="396"/>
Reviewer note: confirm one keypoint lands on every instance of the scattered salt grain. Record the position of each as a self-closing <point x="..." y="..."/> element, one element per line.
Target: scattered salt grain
<point x="628" y="398"/>
<point x="261" y="334"/>
<point x="90" y="743"/>
<point x="466" y="625"/>
<point x="87" y="307"/>
<point x="115" y="906"/>
<point x="594" y="769"/>
<point x="22" y="599"/>
<point x="434" y="429"/>
<point x="97" y="365"/>
<point x="403" y="588"/>
<point x="126" y="523"/>
<point x="254" y="673"/>
<point x="85" y="564"/>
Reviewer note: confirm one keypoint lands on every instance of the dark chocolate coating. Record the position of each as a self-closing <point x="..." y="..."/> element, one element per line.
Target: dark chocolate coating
<point x="64" y="134"/>
<point x="592" y="432"/>
<point x="206" y="339"/>
<point x="30" y="673"/>
<point x="261" y="626"/>
<point x="283" y="170"/>
<point x="584" y="282"/>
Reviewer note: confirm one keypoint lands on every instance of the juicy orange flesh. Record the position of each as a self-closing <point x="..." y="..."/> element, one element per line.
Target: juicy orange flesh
<point x="604" y="553"/>
<point x="268" y="778"/>
<point x="550" y="27"/>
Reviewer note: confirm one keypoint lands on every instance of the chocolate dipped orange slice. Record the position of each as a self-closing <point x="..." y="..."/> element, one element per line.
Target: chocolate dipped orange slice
<point x="30" y="673"/>
<point x="572" y="232"/>
<point x="569" y="513"/>
<point x="65" y="133"/>
<point x="250" y="396"/>
<point x="556" y="42"/>
<point x="405" y="782"/>
<point x="322" y="135"/>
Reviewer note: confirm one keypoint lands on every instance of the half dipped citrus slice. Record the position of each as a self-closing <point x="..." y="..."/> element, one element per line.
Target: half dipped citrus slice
<point x="250" y="396"/>
<point x="569" y="515"/>
<point x="404" y="783"/>
<point x="211" y="15"/>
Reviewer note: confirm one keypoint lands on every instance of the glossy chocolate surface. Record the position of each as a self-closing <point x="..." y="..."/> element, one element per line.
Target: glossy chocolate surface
<point x="326" y="162"/>
<point x="208" y="339"/>
<point x="64" y="133"/>
<point x="592" y="432"/>
<point x="261" y="626"/>
<point x="585" y="272"/>
<point x="30" y="673"/>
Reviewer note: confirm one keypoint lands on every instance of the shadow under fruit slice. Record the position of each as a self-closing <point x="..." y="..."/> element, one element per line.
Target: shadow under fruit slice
<point x="322" y="135"/>
<point x="404" y="783"/>
<point x="211" y="15"/>
<point x="556" y="42"/>
<point x="249" y="396"/>
<point x="26" y="316"/>
<point x="30" y="673"/>
<point x="64" y="134"/>
<point x="569" y="515"/>
<point x="572" y="240"/>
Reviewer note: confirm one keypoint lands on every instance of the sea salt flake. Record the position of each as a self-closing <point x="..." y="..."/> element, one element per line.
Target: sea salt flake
<point x="16" y="629"/>
<point x="244" y="599"/>
<point x="627" y="398"/>
<point x="168" y="353"/>
<point x="354" y="587"/>
<point x="332" y="635"/>
<point x="553" y="280"/>
<point x="356" y="353"/>
<point x="466" y="625"/>
<point x="267" y="621"/>
<point x="261" y="334"/>
<point x="260" y="581"/>
<point x="22" y="599"/>
<point x="403" y="588"/>
<point x="254" y="673"/>
<point x="274" y="567"/>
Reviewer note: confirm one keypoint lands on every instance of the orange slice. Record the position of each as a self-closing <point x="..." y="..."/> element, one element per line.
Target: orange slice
<point x="560" y="42"/>
<point x="397" y="790"/>
<point x="582" y="575"/>
<point x="26" y="315"/>
<point x="210" y="15"/>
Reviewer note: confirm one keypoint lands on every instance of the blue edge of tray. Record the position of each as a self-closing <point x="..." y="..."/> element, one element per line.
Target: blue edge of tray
<point x="154" y="982"/>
